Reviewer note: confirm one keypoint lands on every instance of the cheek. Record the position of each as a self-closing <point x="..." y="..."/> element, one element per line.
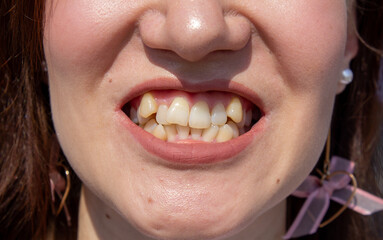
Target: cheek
<point x="85" y="36"/>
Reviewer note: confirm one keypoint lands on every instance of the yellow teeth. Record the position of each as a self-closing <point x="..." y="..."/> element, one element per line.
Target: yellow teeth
<point x="195" y="133"/>
<point x="161" y="114"/>
<point x="225" y="133"/>
<point x="199" y="116"/>
<point x="210" y="133"/>
<point x="171" y="132"/>
<point x="159" y="132"/>
<point x="150" y="125"/>
<point x="177" y="122"/>
<point x="234" y="110"/>
<point x="218" y="115"/>
<point x="148" y="105"/>
<point x="183" y="132"/>
<point x="178" y="112"/>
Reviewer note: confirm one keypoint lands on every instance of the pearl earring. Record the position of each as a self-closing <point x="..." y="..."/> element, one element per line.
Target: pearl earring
<point x="347" y="76"/>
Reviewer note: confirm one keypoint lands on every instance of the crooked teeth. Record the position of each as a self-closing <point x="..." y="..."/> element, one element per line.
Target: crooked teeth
<point x="177" y="122"/>
<point x="150" y="125"/>
<point x="178" y="112"/>
<point x="148" y="105"/>
<point x="171" y="132"/>
<point x="183" y="132"/>
<point x="195" y="133"/>
<point x="199" y="116"/>
<point x="225" y="133"/>
<point x="218" y="115"/>
<point x="159" y="132"/>
<point x="210" y="133"/>
<point x="161" y="114"/>
<point x="234" y="110"/>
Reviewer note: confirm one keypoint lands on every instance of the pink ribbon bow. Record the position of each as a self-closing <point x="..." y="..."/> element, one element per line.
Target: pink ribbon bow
<point x="319" y="193"/>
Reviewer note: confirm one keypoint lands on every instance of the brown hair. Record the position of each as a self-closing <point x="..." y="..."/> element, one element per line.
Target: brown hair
<point x="26" y="128"/>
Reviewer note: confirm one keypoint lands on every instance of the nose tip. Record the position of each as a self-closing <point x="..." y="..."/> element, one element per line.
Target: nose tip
<point x="193" y="29"/>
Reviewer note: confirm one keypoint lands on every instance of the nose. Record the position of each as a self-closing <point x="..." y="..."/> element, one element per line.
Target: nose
<point x="194" y="28"/>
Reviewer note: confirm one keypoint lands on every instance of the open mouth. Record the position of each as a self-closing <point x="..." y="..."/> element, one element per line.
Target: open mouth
<point x="178" y="116"/>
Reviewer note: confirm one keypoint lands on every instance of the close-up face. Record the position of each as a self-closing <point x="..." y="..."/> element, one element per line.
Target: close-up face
<point x="238" y="103"/>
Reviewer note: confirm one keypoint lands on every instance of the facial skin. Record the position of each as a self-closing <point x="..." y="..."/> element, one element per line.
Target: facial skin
<point x="290" y="54"/>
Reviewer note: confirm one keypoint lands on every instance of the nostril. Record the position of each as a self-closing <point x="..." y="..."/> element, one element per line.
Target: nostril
<point x="193" y="30"/>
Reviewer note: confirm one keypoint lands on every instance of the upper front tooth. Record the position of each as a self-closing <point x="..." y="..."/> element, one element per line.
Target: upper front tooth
<point x="234" y="110"/>
<point x="199" y="116"/>
<point x="161" y="114"/>
<point x="178" y="112"/>
<point x="218" y="115"/>
<point x="148" y="105"/>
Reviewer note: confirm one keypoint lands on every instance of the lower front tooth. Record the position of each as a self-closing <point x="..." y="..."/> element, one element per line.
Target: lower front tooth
<point x="225" y="133"/>
<point x="195" y="133"/>
<point x="159" y="132"/>
<point x="234" y="128"/>
<point x="150" y="125"/>
<point x="183" y="131"/>
<point x="210" y="133"/>
<point x="171" y="132"/>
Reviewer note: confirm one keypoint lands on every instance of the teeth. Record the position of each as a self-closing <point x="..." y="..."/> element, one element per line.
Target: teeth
<point x="171" y="132"/>
<point x="234" y="128"/>
<point x="195" y="133"/>
<point x="199" y="116"/>
<point x="183" y="131"/>
<point x="242" y="122"/>
<point x="249" y="115"/>
<point x="149" y="126"/>
<point x="161" y="114"/>
<point x="234" y="110"/>
<point x="133" y="115"/>
<point x="218" y="115"/>
<point x="225" y="133"/>
<point x="148" y="105"/>
<point x="178" y="112"/>
<point x="210" y="133"/>
<point x="159" y="132"/>
<point x="141" y="120"/>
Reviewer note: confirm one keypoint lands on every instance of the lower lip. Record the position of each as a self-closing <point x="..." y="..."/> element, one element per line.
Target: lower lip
<point x="191" y="152"/>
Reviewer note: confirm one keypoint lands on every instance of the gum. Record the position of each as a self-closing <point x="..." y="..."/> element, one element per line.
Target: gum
<point x="211" y="98"/>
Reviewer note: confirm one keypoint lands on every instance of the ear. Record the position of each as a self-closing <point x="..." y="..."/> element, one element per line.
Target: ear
<point x="352" y="43"/>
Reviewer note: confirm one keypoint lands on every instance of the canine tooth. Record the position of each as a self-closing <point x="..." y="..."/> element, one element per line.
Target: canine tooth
<point x="133" y="115"/>
<point x="210" y="133"/>
<point x="218" y="115"/>
<point x="199" y="115"/>
<point x="234" y="110"/>
<point x="183" y="131"/>
<point x="195" y="133"/>
<point x="225" y="133"/>
<point x="249" y="115"/>
<point x="149" y="126"/>
<point x="234" y="128"/>
<point x="242" y="122"/>
<point x="148" y="105"/>
<point x="161" y="114"/>
<point x="171" y="132"/>
<point x="159" y="132"/>
<point x="178" y="112"/>
<point x="141" y="120"/>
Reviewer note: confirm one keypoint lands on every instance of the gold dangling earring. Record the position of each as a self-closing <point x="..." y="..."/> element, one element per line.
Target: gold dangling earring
<point x="57" y="182"/>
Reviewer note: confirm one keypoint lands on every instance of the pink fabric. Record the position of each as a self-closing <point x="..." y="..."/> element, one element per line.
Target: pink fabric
<point x="319" y="194"/>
